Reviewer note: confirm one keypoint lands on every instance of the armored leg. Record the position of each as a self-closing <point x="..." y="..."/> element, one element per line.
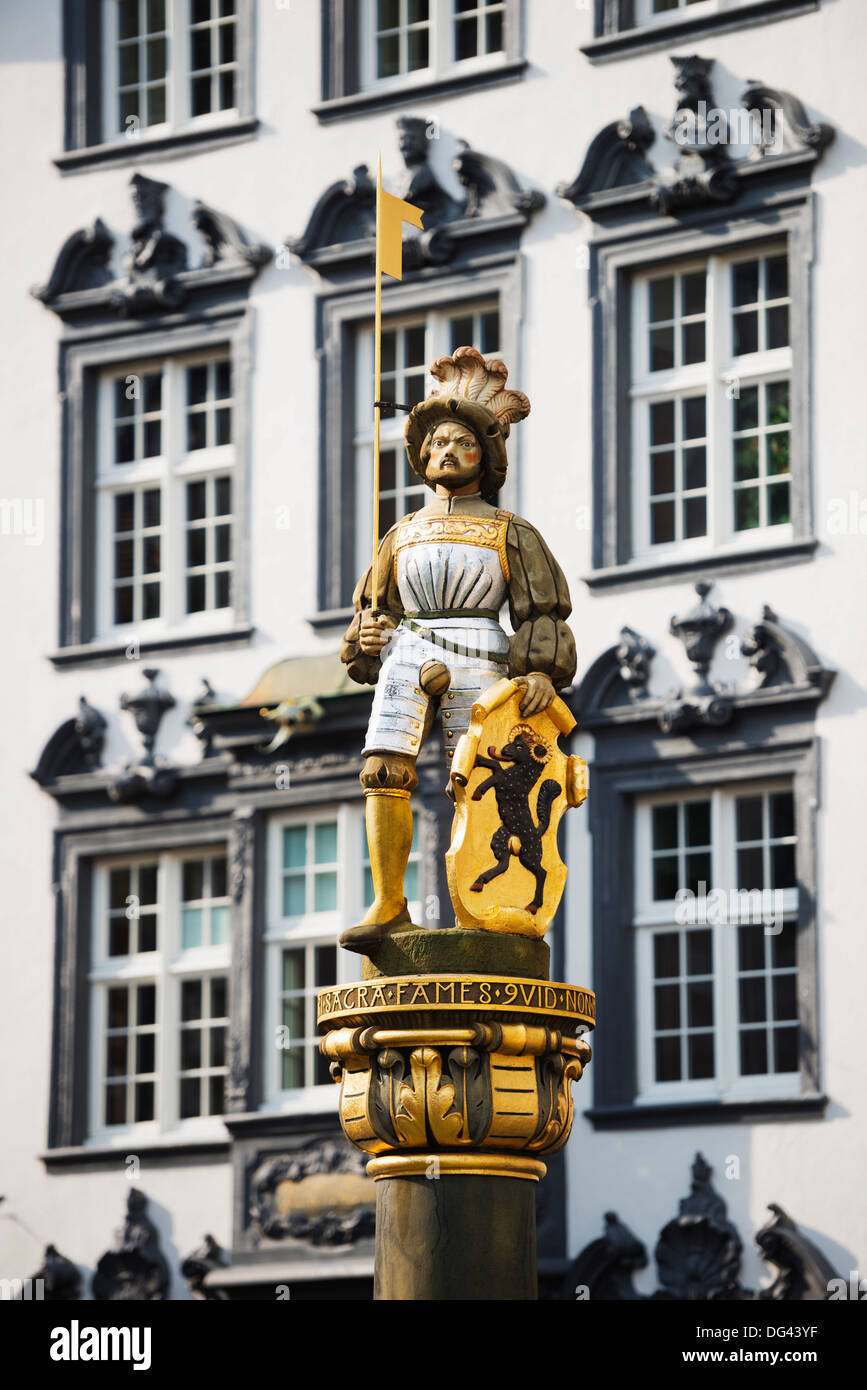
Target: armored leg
<point x="387" y="779"/>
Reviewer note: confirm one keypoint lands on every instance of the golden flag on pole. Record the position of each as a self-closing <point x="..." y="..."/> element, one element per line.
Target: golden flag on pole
<point x="391" y="213"/>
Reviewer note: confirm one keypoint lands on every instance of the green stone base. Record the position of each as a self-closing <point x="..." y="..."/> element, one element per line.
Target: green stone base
<point x="457" y="951"/>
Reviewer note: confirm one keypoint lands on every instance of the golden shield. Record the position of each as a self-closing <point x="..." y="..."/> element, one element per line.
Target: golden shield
<point x="512" y="785"/>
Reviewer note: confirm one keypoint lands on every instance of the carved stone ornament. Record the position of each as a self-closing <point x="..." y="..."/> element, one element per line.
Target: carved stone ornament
<point x="155" y="275"/>
<point x="281" y="1206"/>
<point x="135" y="1270"/>
<point x="76" y="747"/>
<point x="705" y="703"/>
<point x="204" y="1260"/>
<point x="616" y="175"/>
<point x="698" y="1256"/>
<point x="59" y="1277"/>
<point x="617" y="157"/>
<point x="149" y="776"/>
<point x="615" y="688"/>
<point x="340" y="229"/>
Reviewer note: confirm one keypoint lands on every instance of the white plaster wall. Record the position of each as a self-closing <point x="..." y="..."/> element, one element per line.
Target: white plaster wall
<point x="542" y="127"/>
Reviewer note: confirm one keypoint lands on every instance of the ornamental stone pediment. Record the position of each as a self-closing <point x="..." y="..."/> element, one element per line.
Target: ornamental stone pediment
<point x="339" y="235"/>
<point x="780" y="139"/>
<point x="157" y="272"/>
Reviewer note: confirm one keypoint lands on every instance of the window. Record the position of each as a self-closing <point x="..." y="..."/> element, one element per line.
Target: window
<point x="716" y="927"/>
<point x="164" y="484"/>
<point x="408" y="346"/>
<point x="710" y="394"/>
<point x="404" y="39"/>
<point x="319" y="884"/>
<point x="159" y="982"/>
<point x="168" y="64"/>
<point x="650" y="11"/>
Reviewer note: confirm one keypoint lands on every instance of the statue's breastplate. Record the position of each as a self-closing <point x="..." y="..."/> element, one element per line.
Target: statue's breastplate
<point x="444" y="563"/>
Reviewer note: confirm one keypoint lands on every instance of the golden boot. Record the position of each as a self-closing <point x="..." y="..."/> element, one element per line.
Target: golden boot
<point x="388" y="820"/>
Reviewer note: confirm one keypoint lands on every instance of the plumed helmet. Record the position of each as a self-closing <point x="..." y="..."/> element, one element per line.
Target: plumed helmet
<point x="472" y="391"/>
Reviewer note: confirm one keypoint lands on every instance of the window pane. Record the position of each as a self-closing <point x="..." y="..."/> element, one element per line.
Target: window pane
<point x="754" y="1052"/>
<point x="325" y="892"/>
<point x="191" y="1049"/>
<point x="667" y="1006"/>
<point x="751" y="948"/>
<point x="665" y="955"/>
<point x="745" y="282"/>
<point x="748" y="818"/>
<point x="753" y="1008"/>
<point x="661" y="523"/>
<point x="692" y="288"/>
<point x="750" y="869"/>
<point x="699" y="953"/>
<point x="665" y="877"/>
<point x="746" y="509"/>
<point x="699" y="1002"/>
<point x="746" y="409"/>
<point x="746" y="333"/>
<point x="698" y="873"/>
<point x="777" y="273"/>
<point x="777" y="326"/>
<point x="294" y="846"/>
<point x="694" y="417"/>
<point x="783" y="866"/>
<point x="662" y="299"/>
<point x="294" y="896"/>
<point x="700" y="1053"/>
<point x="694" y="468"/>
<point x="785" y="997"/>
<point x="221" y="926"/>
<point x="326" y="965"/>
<point x="662" y="473"/>
<point x="693" y="342"/>
<point x="117" y="1007"/>
<point x="668" y="1059"/>
<point x="146" y="1004"/>
<point x="191" y="1000"/>
<point x="746" y="459"/>
<point x="784" y="947"/>
<point x="325" y="843"/>
<point x="662" y="422"/>
<point x="118" y="937"/>
<point x="144" y="1101"/>
<point x="661" y="349"/>
<point x="786" y="1049"/>
<point x="293" y="969"/>
<point x="664" y="827"/>
<point x="191" y="929"/>
<point x="694" y="517"/>
<point x="779" y="512"/>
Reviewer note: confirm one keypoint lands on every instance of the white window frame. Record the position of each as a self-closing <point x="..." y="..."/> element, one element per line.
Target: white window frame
<point x="644" y="12"/>
<point x="178" y="75"/>
<point x="309" y="930"/>
<point x="727" y="1084"/>
<point x="436" y="324"/>
<point x="170" y="470"/>
<point x="442" y="59"/>
<point x="166" y="967"/>
<point x="717" y="377"/>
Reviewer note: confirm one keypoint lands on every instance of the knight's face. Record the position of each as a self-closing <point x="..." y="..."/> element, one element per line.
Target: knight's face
<point x="455" y="456"/>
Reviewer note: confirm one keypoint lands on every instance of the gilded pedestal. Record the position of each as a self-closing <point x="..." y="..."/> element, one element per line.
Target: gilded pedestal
<point x="458" y="1085"/>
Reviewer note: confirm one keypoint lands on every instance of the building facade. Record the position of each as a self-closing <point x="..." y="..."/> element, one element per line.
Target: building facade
<point x="663" y="249"/>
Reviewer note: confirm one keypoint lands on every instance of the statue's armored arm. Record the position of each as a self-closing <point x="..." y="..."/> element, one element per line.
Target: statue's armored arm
<point x="362" y="666"/>
<point x="539" y="605"/>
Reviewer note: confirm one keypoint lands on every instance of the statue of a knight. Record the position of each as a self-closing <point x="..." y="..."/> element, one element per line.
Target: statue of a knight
<point x="434" y="639"/>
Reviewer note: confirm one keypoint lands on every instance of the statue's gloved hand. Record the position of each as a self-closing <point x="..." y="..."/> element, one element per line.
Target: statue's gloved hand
<point x="539" y="692"/>
<point x="375" y="631"/>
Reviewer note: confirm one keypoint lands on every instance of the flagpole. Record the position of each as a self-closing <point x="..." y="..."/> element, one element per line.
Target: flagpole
<point x="377" y="372"/>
